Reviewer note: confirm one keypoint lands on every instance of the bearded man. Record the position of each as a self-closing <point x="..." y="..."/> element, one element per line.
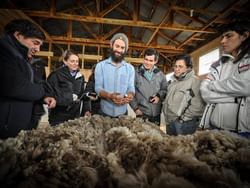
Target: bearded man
<point x="115" y="79"/>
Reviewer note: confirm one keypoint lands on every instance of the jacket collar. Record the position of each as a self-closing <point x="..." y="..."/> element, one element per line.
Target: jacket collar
<point x="184" y="76"/>
<point x="21" y="48"/>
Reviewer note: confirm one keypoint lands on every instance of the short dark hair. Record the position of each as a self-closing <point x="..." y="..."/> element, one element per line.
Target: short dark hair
<point x="25" y="28"/>
<point x="240" y="27"/>
<point x="152" y="51"/>
<point x="187" y="59"/>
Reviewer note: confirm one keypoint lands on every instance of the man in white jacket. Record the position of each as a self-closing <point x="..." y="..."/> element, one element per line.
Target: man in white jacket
<point x="227" y="87"/>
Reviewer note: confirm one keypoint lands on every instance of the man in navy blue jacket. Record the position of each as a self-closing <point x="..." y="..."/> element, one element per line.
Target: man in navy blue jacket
<point x="22" y="39"/>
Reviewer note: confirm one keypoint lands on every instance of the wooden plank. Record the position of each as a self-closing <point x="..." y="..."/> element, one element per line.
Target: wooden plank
<point x="90" y="57"/>
<point x="114" y="21"/>
<point x="45" y="53"/>
<point x="134" y="60"/>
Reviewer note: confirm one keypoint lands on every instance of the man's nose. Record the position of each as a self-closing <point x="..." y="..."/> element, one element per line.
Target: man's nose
<point x="223" y="40"/>
<point x="37" y="48"/>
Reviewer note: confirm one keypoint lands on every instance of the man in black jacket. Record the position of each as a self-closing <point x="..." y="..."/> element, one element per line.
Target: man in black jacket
<point x="22" y="39"/>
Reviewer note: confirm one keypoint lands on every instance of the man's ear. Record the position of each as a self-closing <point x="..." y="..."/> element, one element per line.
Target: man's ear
<point x="64" y="62"/>
<point x="17" y="34"/>
<point x="245" y="35"/>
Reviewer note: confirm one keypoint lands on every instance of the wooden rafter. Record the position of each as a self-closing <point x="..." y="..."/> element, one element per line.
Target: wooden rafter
<point x="84" y="8"/>
<point x="105" y="43"/>
<point x="52" y="9"/>
<point x="213" y="13"/>
<point x="190" y="18"/>
<point x="223" y="12"/>
<point x="157" y="29"/>
<point x="111" y="7"/>
<point x="69" y="32"/>
<point x="88" y="29"/>
<point x="163" y="35"/>
<point x="111" y="32"/>
<point x="113" y="21"/>
<point x="136" y="10"/>
<point x="98" y="7"/>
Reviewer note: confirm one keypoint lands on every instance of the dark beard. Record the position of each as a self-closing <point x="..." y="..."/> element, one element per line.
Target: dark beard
<point x="115" y="58"/>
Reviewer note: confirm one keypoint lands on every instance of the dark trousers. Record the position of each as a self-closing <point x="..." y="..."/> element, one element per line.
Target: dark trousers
<point x="154" y="119"/>
<point x="183" y="128"/>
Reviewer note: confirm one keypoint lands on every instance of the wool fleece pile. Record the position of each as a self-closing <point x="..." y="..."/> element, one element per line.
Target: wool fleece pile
<point x="100" y="152"/>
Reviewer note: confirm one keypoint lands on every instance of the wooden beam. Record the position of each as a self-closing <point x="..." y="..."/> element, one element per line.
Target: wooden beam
<point x="98" y="7"/>
<point x="84" y="8"/>
<point x="90" y="57"/>
<point x="213" y="13"/>
<point x="69" y="31"/>
<point x="190" y="18"/>
<point x="134" y="60"/>
<point x="52" y="9"/>
<point x="87" y="28"/>
<point x="157" y="29"/>
<point x="105" y="43"/>
<point x="223" y="12"/>
<point x="163" y="35"/>
<point x="111" y="32"/>
<point x="155" y="5"/>
<point x="45" y="53"/>
<point x="113" y="21"/>
<point x="136" y="10"/>
<point x="195" y="38"/>
<point x="111" y="7"/>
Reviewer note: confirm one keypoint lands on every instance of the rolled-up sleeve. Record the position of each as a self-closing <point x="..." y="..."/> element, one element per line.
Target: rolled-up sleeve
<point x="98" y="78"/>
<point x="131" y="82"/>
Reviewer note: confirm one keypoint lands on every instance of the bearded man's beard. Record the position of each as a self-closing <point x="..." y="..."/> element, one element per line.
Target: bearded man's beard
<point x="117" y="58"/>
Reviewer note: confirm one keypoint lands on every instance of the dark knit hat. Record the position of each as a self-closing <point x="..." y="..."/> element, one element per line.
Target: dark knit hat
<point x="121" y="36"/>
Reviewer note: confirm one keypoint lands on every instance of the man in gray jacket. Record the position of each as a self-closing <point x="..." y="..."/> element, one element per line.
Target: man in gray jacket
<point x="227" y="87"/>
<point x="150" y="88"/>
<point x="183" y="105"/>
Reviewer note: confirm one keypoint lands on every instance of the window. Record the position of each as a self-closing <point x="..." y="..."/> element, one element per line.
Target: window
<point x="206" y="60"/>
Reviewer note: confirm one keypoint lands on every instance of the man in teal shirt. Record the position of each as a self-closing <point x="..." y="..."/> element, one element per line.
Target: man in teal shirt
<point x="115" y="79"/>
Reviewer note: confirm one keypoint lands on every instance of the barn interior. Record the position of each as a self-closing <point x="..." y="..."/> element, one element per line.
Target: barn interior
<point x="126" y="152"/>
<point x="171" y="27"/>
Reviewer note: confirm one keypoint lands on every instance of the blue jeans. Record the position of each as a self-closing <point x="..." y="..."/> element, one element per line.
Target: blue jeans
<point x="184" y="128"/>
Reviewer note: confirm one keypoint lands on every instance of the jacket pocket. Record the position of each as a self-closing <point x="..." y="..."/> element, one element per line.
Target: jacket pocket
<point x="244" y="115"/>
<point x="225" y="116"/>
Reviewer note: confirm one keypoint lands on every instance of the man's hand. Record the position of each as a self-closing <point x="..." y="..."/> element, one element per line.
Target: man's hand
<point x="50" y="101"/>
<point x="117" y="98"/>
<point x="128" y="98"/>
<point x="138" y="112"/>
<point x="155" y="99"/>
<point x="88" y="113"/>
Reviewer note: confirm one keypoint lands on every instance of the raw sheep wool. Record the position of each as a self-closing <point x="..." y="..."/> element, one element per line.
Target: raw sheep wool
<point x="125" y="152"/>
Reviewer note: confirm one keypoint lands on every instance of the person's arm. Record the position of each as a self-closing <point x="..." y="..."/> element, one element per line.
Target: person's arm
<point x="99" y="83"/>
<point x="131" y="86"/>
<point x="61" y="89"/>
<point x="161" y="94"/>
<point x="14" y="82"/>
<point x="114" y="97"/>
<point x="210" y="96"/>
<point x="197" y="104"/>
<point x="237" y="85"/>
